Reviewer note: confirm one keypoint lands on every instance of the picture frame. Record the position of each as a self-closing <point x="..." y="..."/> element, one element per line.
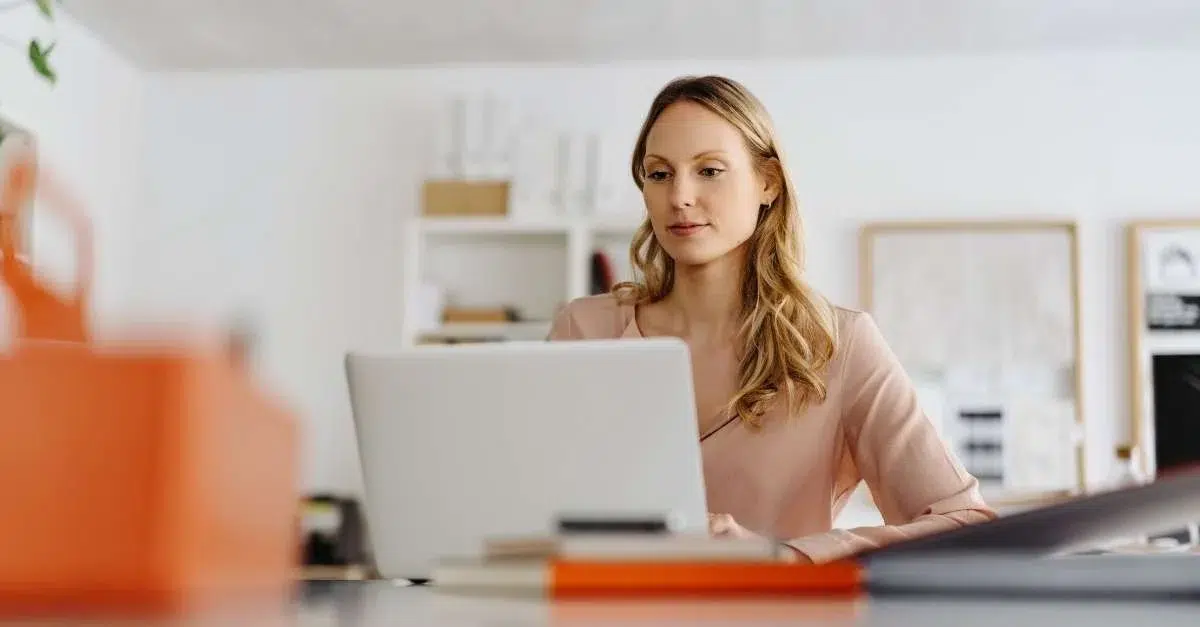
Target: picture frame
<point x="984" y="315"/>
<point x="1163" y="284"/>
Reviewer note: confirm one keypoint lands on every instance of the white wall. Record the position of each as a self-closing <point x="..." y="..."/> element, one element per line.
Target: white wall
<point x="280" y="194"/>
<point x="88" y="130"/>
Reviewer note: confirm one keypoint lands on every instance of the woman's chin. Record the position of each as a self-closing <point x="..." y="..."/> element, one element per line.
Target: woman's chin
<point x="693" y="255"/>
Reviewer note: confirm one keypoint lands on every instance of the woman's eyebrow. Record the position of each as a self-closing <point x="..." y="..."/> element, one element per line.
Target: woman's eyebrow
<point x="696" y="157"/>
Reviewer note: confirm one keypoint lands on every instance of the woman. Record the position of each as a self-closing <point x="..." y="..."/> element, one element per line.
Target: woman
<point x="798" y="400"/>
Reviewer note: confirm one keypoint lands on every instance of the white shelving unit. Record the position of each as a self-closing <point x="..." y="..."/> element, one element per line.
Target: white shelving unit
<point x="533" y="266"/>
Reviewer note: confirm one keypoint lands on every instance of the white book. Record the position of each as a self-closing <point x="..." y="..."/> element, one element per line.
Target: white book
<point x="622" y="547"/>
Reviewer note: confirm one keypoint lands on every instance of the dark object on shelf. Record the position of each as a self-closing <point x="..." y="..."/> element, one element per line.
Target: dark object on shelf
<point x="334" y="532"/>
<point x="602" y="274"/>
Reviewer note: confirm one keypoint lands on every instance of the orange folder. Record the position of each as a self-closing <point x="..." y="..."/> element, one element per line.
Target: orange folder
<point x="580" y="579"/>
<point x="133" y="479"/>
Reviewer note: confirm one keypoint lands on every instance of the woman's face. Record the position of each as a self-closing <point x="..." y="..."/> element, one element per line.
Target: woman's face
<point x="703" y="188"/>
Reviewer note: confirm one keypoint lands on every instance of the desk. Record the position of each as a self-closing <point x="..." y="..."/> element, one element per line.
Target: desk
<point x="381" y="604"/>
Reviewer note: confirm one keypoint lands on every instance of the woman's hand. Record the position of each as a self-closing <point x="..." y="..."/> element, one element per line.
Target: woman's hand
<point x="724" y="526"/>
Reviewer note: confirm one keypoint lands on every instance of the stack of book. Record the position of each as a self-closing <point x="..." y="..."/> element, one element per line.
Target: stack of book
<point x="1045" y="551"/>
<point x="632" y="563"/>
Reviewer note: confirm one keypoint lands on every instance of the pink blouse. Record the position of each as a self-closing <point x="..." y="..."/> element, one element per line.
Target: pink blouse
<point x="792" y="477"/>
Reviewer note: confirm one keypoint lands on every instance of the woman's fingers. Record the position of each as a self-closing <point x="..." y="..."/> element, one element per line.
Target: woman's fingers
<point x="721" y="524"/>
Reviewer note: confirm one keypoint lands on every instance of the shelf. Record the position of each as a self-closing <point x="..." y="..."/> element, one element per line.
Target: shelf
<point x="523" y="261"/>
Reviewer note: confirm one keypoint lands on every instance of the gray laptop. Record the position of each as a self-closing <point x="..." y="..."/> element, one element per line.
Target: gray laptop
<point x="459" y="443"/>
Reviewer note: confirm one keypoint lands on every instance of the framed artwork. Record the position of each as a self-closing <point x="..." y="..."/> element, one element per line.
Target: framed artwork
<point x="984" y="316"/>
<point x="1164" y="343"/>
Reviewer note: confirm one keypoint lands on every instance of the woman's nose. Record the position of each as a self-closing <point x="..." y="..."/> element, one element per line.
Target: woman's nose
<point x="683" y="192"/>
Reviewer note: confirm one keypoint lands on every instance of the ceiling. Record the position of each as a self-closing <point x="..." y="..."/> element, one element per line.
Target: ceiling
<point x="228" y="34"/>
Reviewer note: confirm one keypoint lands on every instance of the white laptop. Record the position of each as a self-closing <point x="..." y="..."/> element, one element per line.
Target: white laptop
<point x="460" y="443"/>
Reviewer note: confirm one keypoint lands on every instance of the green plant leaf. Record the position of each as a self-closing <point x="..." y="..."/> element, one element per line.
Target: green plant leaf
<point x="46" y="7"/>
<point x="40" y="58"/>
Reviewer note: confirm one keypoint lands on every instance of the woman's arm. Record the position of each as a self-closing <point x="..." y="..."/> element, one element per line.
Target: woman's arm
<point x="918" y="484"/>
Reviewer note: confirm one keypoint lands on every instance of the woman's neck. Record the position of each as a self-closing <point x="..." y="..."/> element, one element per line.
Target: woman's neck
<point x="705" y="302"/>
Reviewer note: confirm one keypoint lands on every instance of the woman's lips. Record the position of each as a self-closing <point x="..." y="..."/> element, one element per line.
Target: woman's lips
<point x="684" y="230"/>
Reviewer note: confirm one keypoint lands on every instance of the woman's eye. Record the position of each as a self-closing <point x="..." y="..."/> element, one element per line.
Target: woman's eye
<point x="657" y="176"/>
<point x="710" y="172"/>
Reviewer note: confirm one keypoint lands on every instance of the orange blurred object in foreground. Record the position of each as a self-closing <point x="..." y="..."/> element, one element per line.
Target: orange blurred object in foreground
<point x="148" y="480"/>
<point x="41" y="312"/>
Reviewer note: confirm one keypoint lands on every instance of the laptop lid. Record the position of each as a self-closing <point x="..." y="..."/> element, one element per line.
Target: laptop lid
<point x="1080" y="523"/>
<point x="459" y="443"/>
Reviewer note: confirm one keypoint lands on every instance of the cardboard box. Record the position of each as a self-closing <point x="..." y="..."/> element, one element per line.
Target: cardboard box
<point x="447" y="198"/>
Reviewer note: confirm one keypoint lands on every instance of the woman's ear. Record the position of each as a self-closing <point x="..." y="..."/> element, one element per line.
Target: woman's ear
<point x="772" y="176"/>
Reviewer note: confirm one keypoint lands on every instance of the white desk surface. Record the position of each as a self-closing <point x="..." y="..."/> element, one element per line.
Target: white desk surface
<point x="381" y="604"/>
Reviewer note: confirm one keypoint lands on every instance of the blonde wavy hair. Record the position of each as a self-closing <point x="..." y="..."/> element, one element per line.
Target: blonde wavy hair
<point x="788" y="332"/>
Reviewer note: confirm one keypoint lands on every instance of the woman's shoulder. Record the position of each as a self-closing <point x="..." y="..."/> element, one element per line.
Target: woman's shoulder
<point x="848" y="319"/>
<point x="600" y="316"/>
<point x="859" y="341"/>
